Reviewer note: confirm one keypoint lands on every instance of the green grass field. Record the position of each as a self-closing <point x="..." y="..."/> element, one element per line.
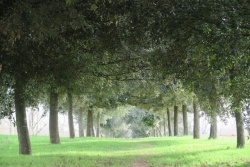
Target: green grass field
<point x="106" y="152"/>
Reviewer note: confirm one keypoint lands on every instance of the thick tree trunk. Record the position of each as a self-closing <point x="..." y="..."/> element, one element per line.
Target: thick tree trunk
<point x="169" y="123"/>
<point x="185" y="119"/>
<point x="196" y="133"/>
<point x="53" y="118"/>
<point x="80" y="124"/>
<point x="164" y="125"/>
<point x="90" y="122"/>
<point x="176" y="129"/>
<point x="240" y="129"/>
<point x="70" y="117"/>
<point x="98" y="125"/>
<point x="213" y="127"/>
<point x="21" y="120"/>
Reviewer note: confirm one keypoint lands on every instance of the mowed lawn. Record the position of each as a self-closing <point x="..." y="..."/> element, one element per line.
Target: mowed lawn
<point x="144" y="152"/>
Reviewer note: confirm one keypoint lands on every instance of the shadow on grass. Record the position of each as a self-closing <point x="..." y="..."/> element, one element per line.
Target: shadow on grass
<point x="62" y="160"/>
<point x="102" y="152"/>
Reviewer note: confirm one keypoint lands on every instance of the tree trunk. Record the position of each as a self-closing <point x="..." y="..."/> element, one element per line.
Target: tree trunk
<point x="164" y="125"/>
<point x="70" y="117"/>
<point x="93" y="129"/>
<point x="159" y="132"/>
<point x="176" y="130"/>
<point x="80" y="123"/>
<point x="90" y="122"/>
<point x="169" y="123"/>
<point x="21" y="120"/>
<point x="240" y="129"/>
<point x="53" y="118"/>
<point x="98" y="125"/>
<point x="196" y="133"/>
<point x="213" y="127"/>
<point x="155" y="135"/>
<point x="185" y="119"/>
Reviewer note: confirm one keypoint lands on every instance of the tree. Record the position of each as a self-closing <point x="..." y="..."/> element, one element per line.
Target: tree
<point x="176" y="123"/>
<point x="169" y="123"/>
<point x="213" y="127"/>
<point x="80" y="123"/>
<point x="53" y="118"/>
<point x="196" y="130"/>
<point x="90" y="122"/>
<point x="22" y="127"/>
<point x="70" y="116"/>
<point x="185" y="119"/>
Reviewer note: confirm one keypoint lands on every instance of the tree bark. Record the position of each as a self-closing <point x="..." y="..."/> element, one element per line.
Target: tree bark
<point x="93" y="129"/>
<point x="90" y="122"/>
<point x="196" y="133"/>
<point x="185" y="119"/>
<point x="21" y="120"/>
<point x="80" y="123"/>
<point x="98" y="125"/>
<point x="176" y="129"/>
<point x="159" y="132"/>
<point x="53" y="118"/>
<point x="240" y="129"/>
<point x="169" y="123"/>
<point x="164" y="125"/>
<point x="213" y="127"/>
<point x="70" y="116"/>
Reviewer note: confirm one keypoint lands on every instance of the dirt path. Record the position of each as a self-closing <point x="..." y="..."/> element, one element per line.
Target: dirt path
<point x="140" y="163"/>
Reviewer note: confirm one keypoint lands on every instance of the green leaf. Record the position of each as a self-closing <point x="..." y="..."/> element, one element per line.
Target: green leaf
<point x="68" y="2"/>
<point x="93" y="7"/>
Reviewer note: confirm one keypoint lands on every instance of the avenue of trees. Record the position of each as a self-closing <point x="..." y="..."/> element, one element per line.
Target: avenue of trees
<point x="156" y="55"/>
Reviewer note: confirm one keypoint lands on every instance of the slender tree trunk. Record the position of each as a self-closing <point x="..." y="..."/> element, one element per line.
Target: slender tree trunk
<point x="70" y="116"/>
<point x="90" y="122"/>
<point x="185" y="119"/>
<point x="169" y="123"/>
<point x="80" y="123"/>
<point x="93" y="129"/>
<point x="196" y="133"/>
<point x="98" y="125"/>
<point x="10" y="126"/>
<point x="53" y="118"/>
<point x="21" y="120"/>
<point x="159" y="132"/>
<point x="213" y="127"/>
<point x="155" y="135"/>
<point x="164" y="125"/>
<point x="176" y="130"/>
<point x="240" y="129"/>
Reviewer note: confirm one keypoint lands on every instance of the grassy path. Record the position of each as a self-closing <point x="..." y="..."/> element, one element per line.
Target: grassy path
<point x="105" y="152"/>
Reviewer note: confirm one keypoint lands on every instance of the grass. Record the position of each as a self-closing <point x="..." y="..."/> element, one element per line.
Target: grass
<point x="106" y="152"/>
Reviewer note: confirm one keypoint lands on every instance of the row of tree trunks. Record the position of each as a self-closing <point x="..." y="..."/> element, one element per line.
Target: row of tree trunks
<point x="185" y="121"/>
<point x="70" y="116"/>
